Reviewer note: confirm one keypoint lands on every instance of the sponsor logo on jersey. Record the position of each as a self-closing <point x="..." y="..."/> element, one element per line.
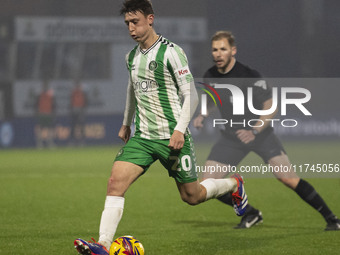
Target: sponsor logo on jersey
<point x="183" y="72"/>
<point x="145" y="86"/>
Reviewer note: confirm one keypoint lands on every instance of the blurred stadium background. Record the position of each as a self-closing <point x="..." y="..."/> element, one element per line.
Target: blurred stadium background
<point x="50" y="197"/>
<point x="62" y="40"/>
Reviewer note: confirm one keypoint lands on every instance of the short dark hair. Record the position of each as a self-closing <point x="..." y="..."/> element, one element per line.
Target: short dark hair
<point x="143" y="6"/>
<point x="219" y="35"/>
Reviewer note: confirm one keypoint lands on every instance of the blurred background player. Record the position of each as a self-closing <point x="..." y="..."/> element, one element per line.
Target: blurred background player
<point x="158" y="73"/>
<point x="237" y="141"/>
<point x="78" y="111"/>
<point x="45" y="111"/>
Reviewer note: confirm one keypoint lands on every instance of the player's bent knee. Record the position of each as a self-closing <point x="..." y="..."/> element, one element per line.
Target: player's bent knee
<point x="290" y="182"/>
<point x="123" y="174"/>
<point x="117" y="185"/>
<point x="190" y="200"/>
<point x="115" y="188"/>
<point x="191" y="193"/>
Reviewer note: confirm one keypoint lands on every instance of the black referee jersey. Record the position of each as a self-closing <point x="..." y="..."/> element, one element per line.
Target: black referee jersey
<point x="243" y="77"/>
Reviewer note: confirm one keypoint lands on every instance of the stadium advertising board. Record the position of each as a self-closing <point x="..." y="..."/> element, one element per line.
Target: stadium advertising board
<point x="78" y="29"/>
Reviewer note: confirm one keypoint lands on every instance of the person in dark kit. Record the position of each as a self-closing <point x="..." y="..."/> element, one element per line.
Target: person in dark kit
<point x="237" y="141"/>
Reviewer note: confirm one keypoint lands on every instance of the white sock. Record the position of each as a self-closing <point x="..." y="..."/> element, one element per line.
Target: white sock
<point x="111" y="216"/>
<point x="218" y="187"/>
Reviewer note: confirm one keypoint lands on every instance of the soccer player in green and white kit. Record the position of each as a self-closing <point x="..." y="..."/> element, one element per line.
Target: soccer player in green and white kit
<point x="158" y="75"/>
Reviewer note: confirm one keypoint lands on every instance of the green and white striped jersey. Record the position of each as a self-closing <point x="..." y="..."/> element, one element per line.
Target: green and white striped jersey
<point x="156" y="77"/>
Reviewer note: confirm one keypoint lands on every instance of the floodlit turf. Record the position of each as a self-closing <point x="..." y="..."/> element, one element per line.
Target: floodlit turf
<point x="49" y="198"/>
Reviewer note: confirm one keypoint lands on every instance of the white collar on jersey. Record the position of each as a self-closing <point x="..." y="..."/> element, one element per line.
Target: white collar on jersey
<point x="152" y="46"/>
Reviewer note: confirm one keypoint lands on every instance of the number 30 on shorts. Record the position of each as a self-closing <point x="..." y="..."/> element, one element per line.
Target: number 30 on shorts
<point x="184" y="161"/>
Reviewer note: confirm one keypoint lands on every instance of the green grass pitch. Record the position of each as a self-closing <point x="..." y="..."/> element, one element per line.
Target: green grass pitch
<point x="49" y="198"/>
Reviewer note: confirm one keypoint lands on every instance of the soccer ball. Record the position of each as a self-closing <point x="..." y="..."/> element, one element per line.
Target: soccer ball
<point x="126" y="245"/>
